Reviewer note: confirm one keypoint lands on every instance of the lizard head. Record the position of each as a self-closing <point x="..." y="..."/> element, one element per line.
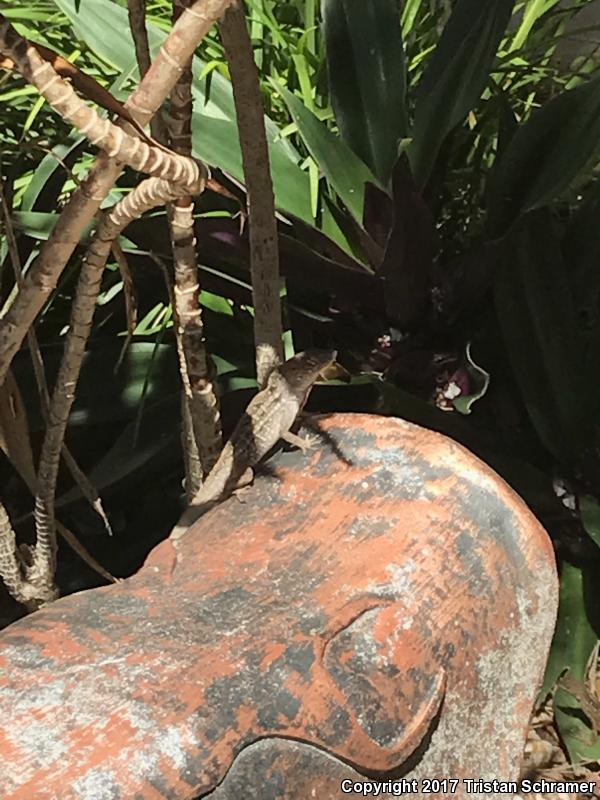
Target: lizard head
<point x="303" y="369"/>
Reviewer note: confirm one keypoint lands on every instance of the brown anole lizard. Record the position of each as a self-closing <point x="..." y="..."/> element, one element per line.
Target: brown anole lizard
<point x="267" y="419"/>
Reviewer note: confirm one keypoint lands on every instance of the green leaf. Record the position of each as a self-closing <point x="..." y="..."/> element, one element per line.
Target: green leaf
<point x="574" y="638"/>
<point x="344" y="170"/>
<point x="480" y="380"/>
<point x="104" y="26"/>
<point x="51" y="163"/>
<point x="290" y="183"/>
<point x="533" y="11"/>
<point x="535" y="311"/>
<point x="155" y="320"/>
<point x="455" y="76"/>
<point x="545" y="155"/>
<point x="580" y="739"/>
<point x="581" y="247"/>
<point x="216" y="303"/>
<point x="589" y="509"/>
<point x="147" y="370"/>
<point x="133" y="450"/>
<point x="410" y="9"/>
<point x="574" y="641"/>
<point x="38" y="224"/>
<point x="367" y="78"/>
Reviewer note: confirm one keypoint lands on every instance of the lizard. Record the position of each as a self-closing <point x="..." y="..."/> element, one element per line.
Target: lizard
<point x="267" y="419"/>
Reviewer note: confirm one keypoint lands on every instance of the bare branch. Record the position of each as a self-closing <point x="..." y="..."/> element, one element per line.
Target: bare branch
<point x="264" y="253"/>
<point x="159" y="80"/>
<point x="201" y="419"/>
<point x="147" y="195"/>
<point x="136" y="10"/>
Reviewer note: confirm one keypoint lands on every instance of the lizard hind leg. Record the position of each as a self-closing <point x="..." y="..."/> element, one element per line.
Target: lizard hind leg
<point x="242" y="487"/>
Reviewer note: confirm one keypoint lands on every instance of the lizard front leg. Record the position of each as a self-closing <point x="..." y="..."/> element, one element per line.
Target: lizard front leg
<point x="303" y="442"/>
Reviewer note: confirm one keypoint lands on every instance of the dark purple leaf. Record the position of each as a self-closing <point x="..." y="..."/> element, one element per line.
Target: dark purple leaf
<point x="412" y="245"/>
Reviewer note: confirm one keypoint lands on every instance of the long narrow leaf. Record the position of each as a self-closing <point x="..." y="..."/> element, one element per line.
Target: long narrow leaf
<point x="455" y="76"/>
<point x="367" y="78"/>
<point x="545" y="155"/>
<point x="344" y="170"/>
<point x="410" y="9"/>
<point x="535" y="310"/>
<point x="533" y="11"/>
<point x="572" y="647"/>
